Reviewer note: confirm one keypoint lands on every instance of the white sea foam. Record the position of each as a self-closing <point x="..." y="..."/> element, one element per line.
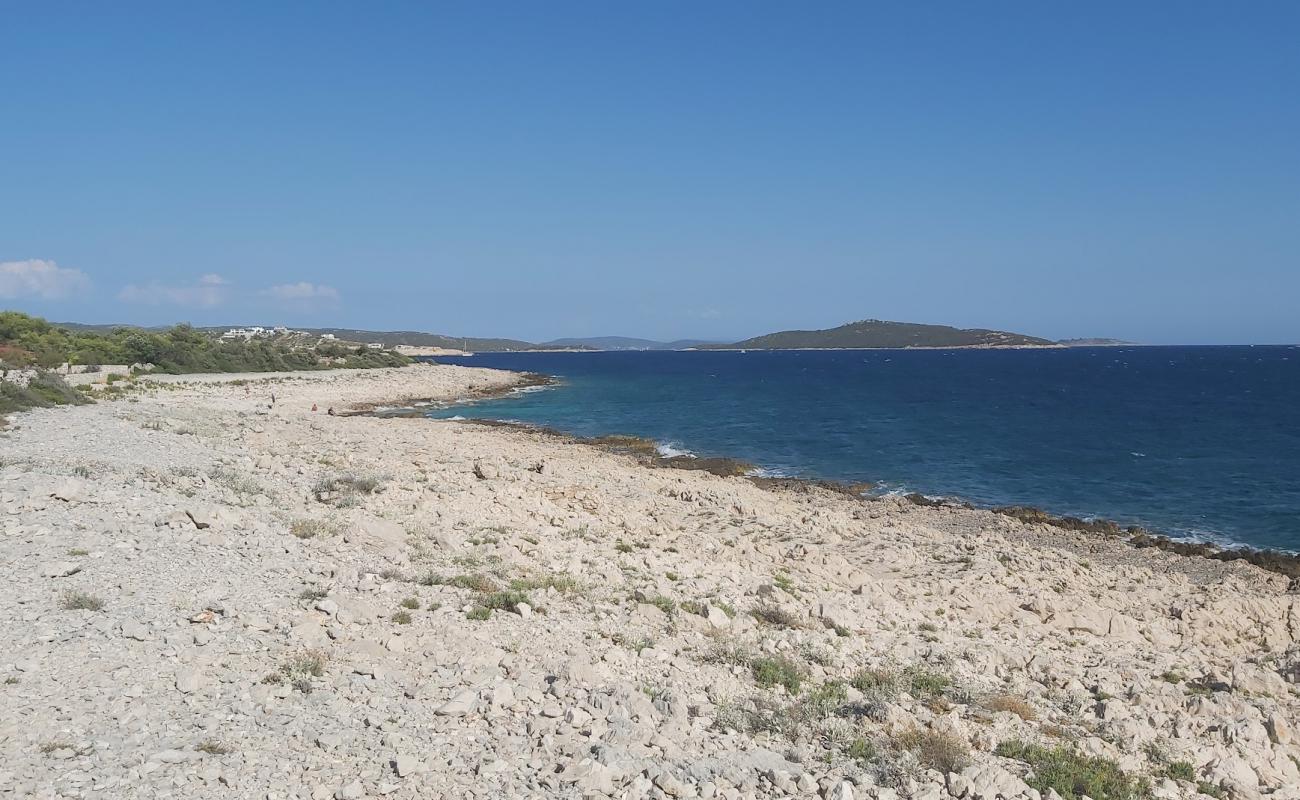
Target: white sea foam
<point x="671" y="450"/>
<point x="768" y="472"/>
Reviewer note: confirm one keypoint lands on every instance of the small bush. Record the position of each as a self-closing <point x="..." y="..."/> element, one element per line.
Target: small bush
<point x="1213" y="790"/>
<point x="237" y="482"/>
<point x="1073" y="774"/>
<point x="301" y="668"/>
<point x="345" y="488"/>
<point x="877" y="682"/>
<point x="402" y="618"/>
<point x="1180" y="771"/>
<point x="478" y="583"/>
<point x="772" y="671"/>
<point x="478" y="613"/>
<point x="1013" y="704"/>
<point x="310" y="528"/>
<point x="504" y="601"/>
<point x="776" y="616"/>
<point x="861" y="750"/>
<point x="923" y="683"/>
<point x="559" y="581"/>
<point x="412" y="603"/>
<point x="728" y="653"/>
<point x="939" y="750"/>
<point x="81" y="601"/>
<point x="313" y="593"/>
<point x="664" y="604"/>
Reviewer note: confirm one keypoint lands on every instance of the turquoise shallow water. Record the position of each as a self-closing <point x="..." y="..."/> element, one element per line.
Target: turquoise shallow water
<point x="1202" y="442"/>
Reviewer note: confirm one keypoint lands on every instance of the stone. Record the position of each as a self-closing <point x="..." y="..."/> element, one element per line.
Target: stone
<point x="69" y="490"/>
<point x="459" y="705"/>
<point x="840" y="791"/>
<point x="1279" y="730"/>
<point x="60" y="569"/>
<point x="350" y="791"/>
<point x="407" y="765"/>
<point x="188" y="681"/>
<point x="171" y="757"/>
<point x="132" y="629"/>
<point x="716" y="617"/>
<point x="670" y="785"/>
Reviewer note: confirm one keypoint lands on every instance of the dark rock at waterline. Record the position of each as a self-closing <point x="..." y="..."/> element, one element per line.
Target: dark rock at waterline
<point x="807" y="485"/>
<point x="725" y="467"/>
<point x="624" y="444"/>
<point x="1287" y="564"/>
<point x="1031" y="515"/>
<point x="918" y="499"/>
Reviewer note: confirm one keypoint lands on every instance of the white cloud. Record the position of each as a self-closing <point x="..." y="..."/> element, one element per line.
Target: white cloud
<point x="39" y="278"/>
<point x="208" y="292"/>
<point x="303" y="292"/>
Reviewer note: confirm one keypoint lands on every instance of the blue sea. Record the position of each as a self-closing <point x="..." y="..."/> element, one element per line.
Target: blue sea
<point x="1196" y="442"/>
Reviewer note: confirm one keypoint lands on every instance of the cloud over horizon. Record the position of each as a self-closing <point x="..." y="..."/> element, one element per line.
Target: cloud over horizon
<point x="40" y="278"/>
<point x="209" y="291"/>
<point x="303" y="295"/>
<point x="302" y="290"/>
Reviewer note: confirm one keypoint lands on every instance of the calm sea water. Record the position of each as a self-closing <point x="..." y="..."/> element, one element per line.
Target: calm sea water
<point x="1201" y="442"/>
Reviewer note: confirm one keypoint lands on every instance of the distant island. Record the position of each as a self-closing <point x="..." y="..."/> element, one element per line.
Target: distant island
<point x="872" y="333"/>
<point x="1094" y="342"/>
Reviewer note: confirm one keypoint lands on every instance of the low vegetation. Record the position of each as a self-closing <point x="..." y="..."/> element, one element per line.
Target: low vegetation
<point x="939" y="750"/>
<point x="1072" y="774"/>
<point x="300" y="668"/>
<point x="777" y="671"/>
<point x="46" y="390"/>
<point x="81" y="601"/>
<point x="1012" y="704"/>
<point x="31" y="341"/>
<point x="311" y="528"/>
<point x="346" y="488"/>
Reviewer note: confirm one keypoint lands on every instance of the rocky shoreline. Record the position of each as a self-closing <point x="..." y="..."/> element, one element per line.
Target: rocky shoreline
<point x="646" y="450"/>
<point x="213" y="594"/>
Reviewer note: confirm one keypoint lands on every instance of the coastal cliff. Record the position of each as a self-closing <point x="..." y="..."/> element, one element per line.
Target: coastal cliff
<point x="213" y="593"/>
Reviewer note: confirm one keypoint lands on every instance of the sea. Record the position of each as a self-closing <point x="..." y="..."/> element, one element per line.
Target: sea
<point x="1199" y="443"/>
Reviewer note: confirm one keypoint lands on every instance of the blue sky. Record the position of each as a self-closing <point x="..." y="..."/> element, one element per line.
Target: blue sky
<point x="665" y="169"/>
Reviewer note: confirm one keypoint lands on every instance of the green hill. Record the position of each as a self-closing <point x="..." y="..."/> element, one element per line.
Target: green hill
<point x="879" y="333"/>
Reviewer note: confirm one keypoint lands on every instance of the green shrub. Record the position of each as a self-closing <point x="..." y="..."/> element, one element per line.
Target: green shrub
<point x="504" y="601"/>
<point x="771" y="671"/>
<point x="558" y="581"/>
<point x="1073" y="774"/>
<point x="923" y="683"/>
<point x="46" y="390"/>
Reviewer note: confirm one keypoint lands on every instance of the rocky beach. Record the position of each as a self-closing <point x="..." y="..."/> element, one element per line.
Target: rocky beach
<point x="210" y="593"/>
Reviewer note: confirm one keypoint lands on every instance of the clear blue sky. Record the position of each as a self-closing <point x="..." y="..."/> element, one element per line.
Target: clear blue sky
<point x="659" y="169"/>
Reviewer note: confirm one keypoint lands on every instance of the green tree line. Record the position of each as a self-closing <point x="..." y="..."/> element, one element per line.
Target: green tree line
<point x="31" y="341"/>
